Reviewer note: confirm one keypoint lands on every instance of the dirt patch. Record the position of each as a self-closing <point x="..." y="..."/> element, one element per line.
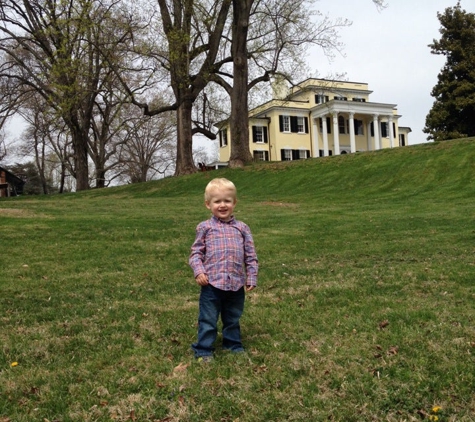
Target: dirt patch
<point x="14" y="212"/>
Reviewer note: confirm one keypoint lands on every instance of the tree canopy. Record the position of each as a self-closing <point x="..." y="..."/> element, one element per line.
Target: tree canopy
<point x="453" y="112"/>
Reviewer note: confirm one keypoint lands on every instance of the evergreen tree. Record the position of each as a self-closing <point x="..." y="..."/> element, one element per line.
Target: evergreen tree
<point x="453" y="112"/>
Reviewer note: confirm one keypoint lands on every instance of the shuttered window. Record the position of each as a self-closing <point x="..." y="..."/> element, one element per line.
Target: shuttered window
<point x="293" y="124"/>
<point x="261" y="155"/>
<point x="259" y="134"/>
<point x="294" y="154"/>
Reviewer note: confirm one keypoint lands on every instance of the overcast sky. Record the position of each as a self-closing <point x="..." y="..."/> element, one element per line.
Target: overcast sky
<point x="389" y="50"/>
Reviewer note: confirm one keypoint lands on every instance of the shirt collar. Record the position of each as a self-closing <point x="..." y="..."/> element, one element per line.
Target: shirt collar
<point x="216" y="219"/>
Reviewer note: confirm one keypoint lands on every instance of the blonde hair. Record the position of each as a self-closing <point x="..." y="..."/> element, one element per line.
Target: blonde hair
<point x="222" y="184"/>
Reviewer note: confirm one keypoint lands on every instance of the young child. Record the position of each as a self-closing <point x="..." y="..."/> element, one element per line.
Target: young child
<point x="224" y="263"/>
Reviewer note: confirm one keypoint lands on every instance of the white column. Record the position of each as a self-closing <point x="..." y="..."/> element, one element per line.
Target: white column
<point x="336" y="134"/>
<point x="368" y="136"/>
<point x="325" y="136"/>
<point x="315" y="141"/>
<point x="352" y="132"/>
<point x="377" y="139"/>
<point x="391" y="132"/>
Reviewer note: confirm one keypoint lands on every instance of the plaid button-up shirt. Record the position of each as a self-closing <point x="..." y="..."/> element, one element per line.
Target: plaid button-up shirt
<point x="225" y="252"/>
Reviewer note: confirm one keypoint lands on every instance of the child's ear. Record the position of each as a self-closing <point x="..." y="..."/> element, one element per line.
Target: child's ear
<point x="207" y="205"/>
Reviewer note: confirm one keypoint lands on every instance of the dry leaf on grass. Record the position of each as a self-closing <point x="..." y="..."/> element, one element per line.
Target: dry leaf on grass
<point x="393" y="350"/>
<point x="182" y="367"/>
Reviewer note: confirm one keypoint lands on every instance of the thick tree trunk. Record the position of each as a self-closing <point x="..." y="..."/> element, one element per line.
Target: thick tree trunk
<point x="81" y="165"/>
<point x="81" y="168"/>
<point x="239" y="120"/>
<point x="100" y="179"/>
<point x="184" y="152"/>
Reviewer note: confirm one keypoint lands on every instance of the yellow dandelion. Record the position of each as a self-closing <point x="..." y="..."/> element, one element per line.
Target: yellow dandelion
<point x="436" y="409"/>
<point x="433" y="418"/>
<point x="13" y="364"/>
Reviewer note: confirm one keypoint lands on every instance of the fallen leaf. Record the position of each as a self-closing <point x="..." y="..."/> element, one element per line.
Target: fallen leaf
<point x="393" y="350"/>
<point x="181" y="367"/>
<point x="383" y="324"/>
<point x="262" y="368"/>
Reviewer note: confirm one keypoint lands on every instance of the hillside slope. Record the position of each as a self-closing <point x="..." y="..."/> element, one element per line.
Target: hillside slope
<point x="447" y="167"/>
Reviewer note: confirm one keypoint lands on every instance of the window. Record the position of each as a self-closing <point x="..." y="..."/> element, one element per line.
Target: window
<point x="341" y="125"/>
<point x="286" y="154"/>
<point x="320" y="98"/>
<point x="340" y="98"/>
<point x="223" y="138"/>
<point x="259" y="134"/>
<point x="261" y="155"/>
<point x="294" y="154"/>
<point x="284" y="122"/>
<point x="384" y="130"/>
<point x="300" y="125"/>
<point x="359" y="100"/>
<point x="293" y="124"/>
<point x="358" y="127"/>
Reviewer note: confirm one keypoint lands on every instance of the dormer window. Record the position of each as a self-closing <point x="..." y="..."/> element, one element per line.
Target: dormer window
<point x="320" y="98"/>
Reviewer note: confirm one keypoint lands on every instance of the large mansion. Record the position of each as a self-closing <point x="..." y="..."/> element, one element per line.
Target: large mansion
<point x="318" y="118"/>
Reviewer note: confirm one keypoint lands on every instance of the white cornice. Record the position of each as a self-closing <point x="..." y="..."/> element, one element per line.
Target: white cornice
<point x="334" y="106"/>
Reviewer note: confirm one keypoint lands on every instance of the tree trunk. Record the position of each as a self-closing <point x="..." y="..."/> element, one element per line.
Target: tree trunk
<point x="239" y="120"/>
<point x="184" y="153"/>
<point x="63" y="177"/>
<point x="81" y="168"/>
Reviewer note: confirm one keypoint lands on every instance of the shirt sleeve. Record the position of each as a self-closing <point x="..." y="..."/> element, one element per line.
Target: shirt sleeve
<point x="250" y="257"/>
<point x="198" y="251"/>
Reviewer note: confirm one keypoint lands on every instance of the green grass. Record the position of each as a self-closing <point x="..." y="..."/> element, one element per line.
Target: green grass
<point x="364" y="310"/>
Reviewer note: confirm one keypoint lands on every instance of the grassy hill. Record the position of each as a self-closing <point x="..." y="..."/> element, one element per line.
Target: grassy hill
<point x="364" y="310"/>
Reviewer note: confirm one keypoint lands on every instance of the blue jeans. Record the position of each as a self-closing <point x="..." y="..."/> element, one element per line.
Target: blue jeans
<point x="214" y="302"/>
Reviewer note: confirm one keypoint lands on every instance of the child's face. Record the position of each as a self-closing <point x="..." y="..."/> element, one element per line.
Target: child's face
<point x="222" y="203"/>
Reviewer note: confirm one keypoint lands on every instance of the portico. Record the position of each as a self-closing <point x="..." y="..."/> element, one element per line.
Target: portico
<point x="356" y="125"/>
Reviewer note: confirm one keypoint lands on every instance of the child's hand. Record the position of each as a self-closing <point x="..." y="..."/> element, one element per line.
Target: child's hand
<point x="249" y="288"/>
<point x="202" y="279"/>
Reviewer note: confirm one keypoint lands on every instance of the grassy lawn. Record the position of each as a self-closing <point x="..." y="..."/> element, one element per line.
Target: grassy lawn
<point x="364" y="311"/>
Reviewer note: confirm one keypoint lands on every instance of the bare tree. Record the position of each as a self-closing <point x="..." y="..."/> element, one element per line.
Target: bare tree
<point x="148" y="148"/>
<point x="47" y="140"/>
<point x="192" y="34"/>
<point x="54" y="50"/>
